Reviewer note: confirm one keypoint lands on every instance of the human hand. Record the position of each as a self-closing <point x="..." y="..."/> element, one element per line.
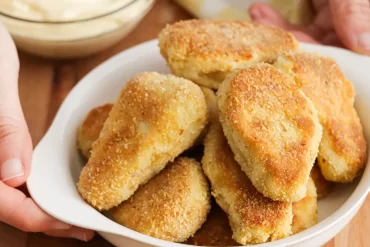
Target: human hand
<point x="343" y="23"/>
<point x="16" y="209"/>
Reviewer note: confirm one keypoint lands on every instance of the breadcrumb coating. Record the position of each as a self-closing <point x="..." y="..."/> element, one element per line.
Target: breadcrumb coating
<point x="253" y="217"/>
<point x="342" y="152"/>
<point x="155" y="118"/>
<point x="90" y="128"/>
<point x="323" y="187"/>
<point x="216" y="231"/>
<point x="206" y="51"/>
<point x="172" y="206"/>
<point x="272" y="128"/>
<point x="305" y="210"/>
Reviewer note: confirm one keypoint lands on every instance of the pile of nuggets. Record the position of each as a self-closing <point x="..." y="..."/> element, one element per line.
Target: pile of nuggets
<point x="234" y="148"/>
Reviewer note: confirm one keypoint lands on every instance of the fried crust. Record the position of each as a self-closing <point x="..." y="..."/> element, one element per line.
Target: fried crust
<point x="211" y="100"/>
<point x="90" y="128"/>
<point x="305" y="210"/>
<point x="155" y="119"/>
<point x="215" y="231"/>
<point x="172" y="206"/>
<point x="253" y="217"/>
<point x="323" y="187"/>
<point x="342" y="152"/>
<point x="272" y="128"/>
<point x="205" y="51"/>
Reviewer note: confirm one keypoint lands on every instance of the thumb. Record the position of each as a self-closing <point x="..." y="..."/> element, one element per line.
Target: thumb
<point x="351" y="19"/>
<point x="15" y="141"/>
<point x="15" y="146"/>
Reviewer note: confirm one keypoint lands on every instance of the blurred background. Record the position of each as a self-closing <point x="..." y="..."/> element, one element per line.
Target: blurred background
<point x="78" y="28"/>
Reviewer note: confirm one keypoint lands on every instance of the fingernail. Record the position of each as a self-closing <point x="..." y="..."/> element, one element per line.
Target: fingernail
<point x="11" y="169"/>
<point x="80" y="235"/>
<point x="364" y="41"/>
<point x="255" y="13"/>
<point x="61" y="226"/>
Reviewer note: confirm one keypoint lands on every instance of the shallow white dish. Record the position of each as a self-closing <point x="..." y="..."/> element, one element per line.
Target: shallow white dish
<point x="57" y="163"/>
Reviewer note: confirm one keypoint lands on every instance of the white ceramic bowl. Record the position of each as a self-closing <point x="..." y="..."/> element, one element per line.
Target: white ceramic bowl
<point x="57" y="164"/>
<point x="72" y="38"/>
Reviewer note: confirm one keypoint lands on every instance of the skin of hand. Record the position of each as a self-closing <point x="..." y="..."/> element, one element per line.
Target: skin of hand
<point x="16" y="209"/>
<point x="342" y="23"/>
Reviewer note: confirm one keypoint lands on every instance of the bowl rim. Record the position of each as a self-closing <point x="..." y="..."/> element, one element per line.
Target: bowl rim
<point x="13" y="17"/>
<point x="353" y="202"/>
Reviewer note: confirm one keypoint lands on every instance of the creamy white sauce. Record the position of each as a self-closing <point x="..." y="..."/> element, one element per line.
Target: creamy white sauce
<point x="73" y="33"/>
<point x="59" y="10"/>
<point x="69" y="10"/>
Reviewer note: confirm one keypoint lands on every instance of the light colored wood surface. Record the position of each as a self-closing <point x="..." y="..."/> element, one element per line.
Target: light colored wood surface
<point x="43" y="86"/>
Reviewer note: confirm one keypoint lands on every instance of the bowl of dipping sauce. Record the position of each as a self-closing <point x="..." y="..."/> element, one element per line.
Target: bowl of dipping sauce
<point x="70" y="28"/>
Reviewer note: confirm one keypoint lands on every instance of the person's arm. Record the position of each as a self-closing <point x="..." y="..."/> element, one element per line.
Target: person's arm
<point x="351" y="19"/>
<point x="337" y="23"/>
<point x="16" y="209"/>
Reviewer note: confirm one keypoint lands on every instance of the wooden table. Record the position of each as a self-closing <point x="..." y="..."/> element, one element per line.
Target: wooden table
<point x="43" y="86"/>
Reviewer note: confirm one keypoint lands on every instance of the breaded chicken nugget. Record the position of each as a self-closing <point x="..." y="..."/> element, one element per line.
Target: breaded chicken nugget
<point x="342" y="152"/>
<point x="253" y="217"/>
<point x="155" y="119"/>
<point x="323" y="187"/>
<point x="196" y="151"/>
<point x="272" y="128"/>
<point x="172" y="206"/>
<point x="215" y="231"/>
<point x="212" y="106"/>
<point x="210" y="99"/>
<point x="305" y="210"/>
<point x="205" y="51"/>
<point x="90" y="128"/>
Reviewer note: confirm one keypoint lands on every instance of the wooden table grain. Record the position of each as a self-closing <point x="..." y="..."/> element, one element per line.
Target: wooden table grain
<point x="45" y="83"/>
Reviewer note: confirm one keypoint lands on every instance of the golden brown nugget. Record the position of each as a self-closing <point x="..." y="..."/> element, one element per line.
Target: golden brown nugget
<point x="272" y="128"/>
<point x="342" y="152"/>
<point x="323" y="187"/>
<point x="305" y="210"/>
<point x="215" y="231"/>
<point x="253" y="217"/>
<point x="90" y="128"/>
<point x="212" y="106"/>
<point x="155" y="119"/>
<point x="205" y="51"/>
<point x="172" y="206"/>
<point x="196" y="151"/>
